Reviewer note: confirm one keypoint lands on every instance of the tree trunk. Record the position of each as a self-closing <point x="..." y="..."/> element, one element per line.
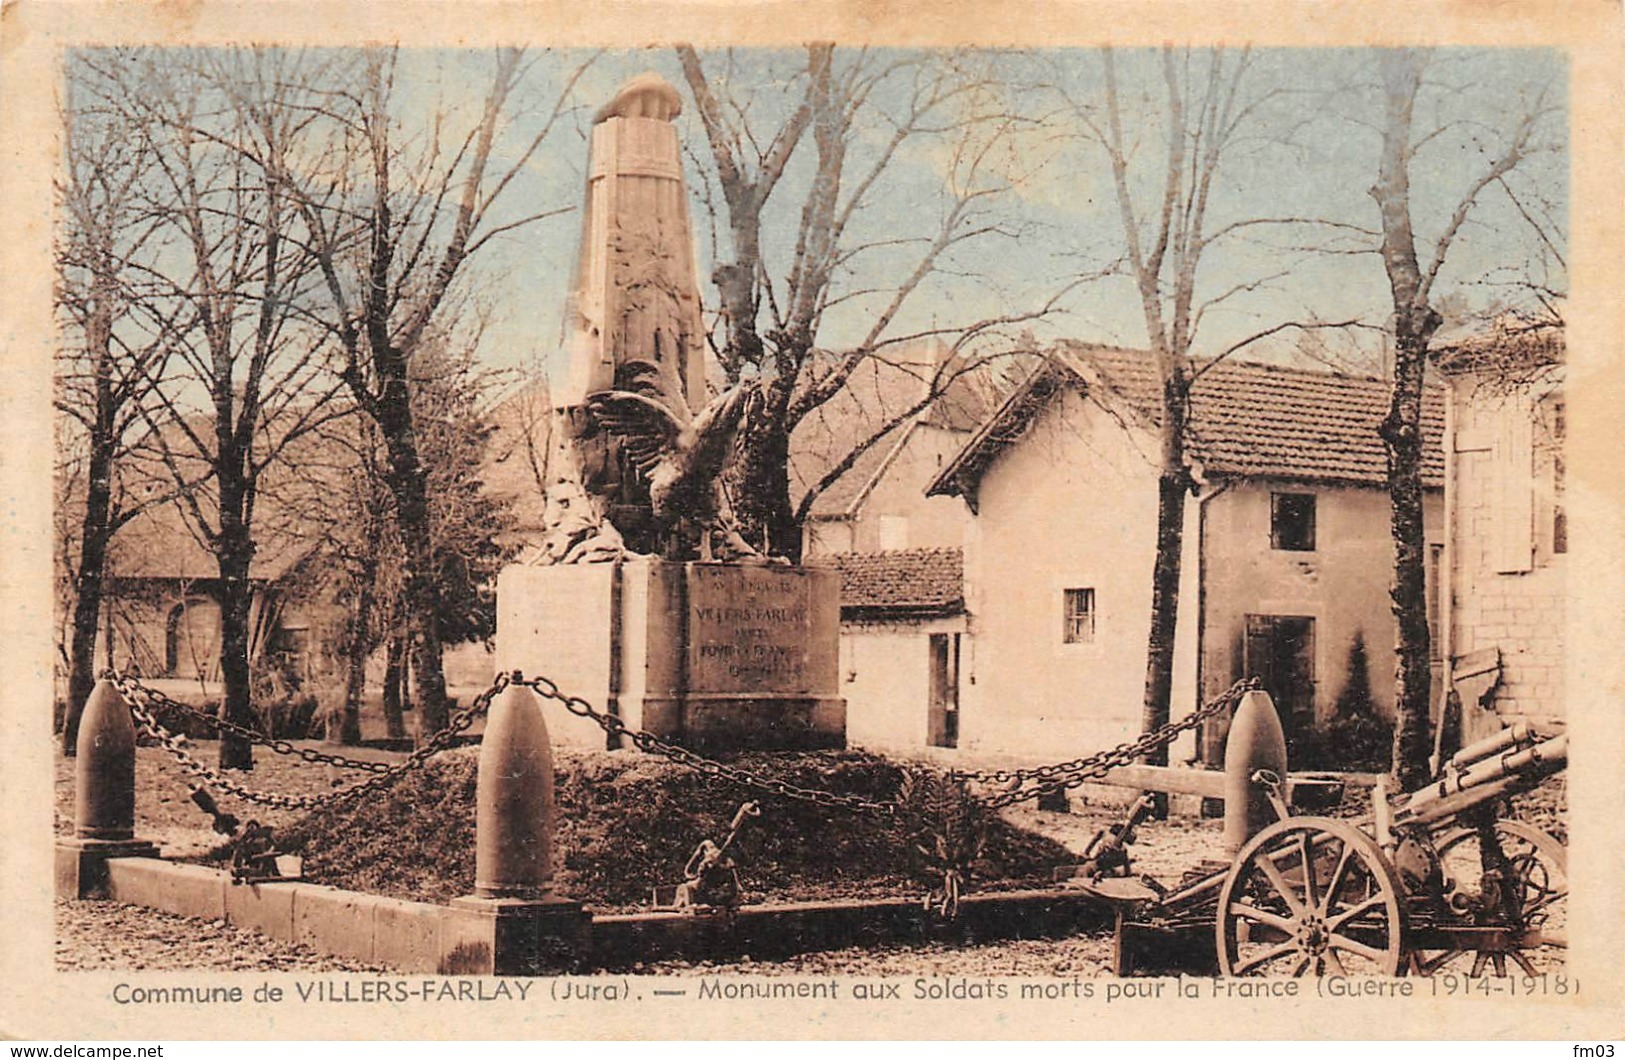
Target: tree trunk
<point x="234" y="551"/>
<point x="236" y="594"/>
<point x="766" y="517"/>
<point x="1159" y="651"/>
<point x="408" y="483"/>
<point x="1402" y="439"/>
<point x="1415" y="321"/>
<point x="97" y="529"/>
<point x="394" y="678"/>
<point x="89" y="584"/>
<point x="1172" y="483"/>
<point x="355" y="670"/>
<point x="422" y="602"/>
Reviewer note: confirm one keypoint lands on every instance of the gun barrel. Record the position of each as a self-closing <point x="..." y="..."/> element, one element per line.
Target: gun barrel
<point x="1518" y="734"/>
<point x="1486" y="779"/>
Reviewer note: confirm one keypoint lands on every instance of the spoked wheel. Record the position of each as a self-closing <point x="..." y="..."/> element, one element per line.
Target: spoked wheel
<point x="1311" y="896"/>
<point x="1540" y="882"/>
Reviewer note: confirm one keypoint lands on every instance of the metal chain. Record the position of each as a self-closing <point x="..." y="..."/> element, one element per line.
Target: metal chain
<point x="130" y="687"/>
<point x="1093" y="767"/>
<point x="1016" y="781"/>
<point x="649" y="742"/>
<point x="138" y="699"/>
<point x="1062" y="774"/>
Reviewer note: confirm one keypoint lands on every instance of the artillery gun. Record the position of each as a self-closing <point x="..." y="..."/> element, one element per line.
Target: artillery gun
<point x="1428" y="881"/>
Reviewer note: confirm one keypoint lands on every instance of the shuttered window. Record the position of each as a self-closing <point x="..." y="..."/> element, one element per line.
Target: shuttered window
<point x="1512" y="521"/>
<point x="1078" y="625"/>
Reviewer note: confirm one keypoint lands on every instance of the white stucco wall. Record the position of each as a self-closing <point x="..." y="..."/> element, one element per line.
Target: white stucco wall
<point x="885" y="677"/>
<point x="1073" y="504"/>
<point x="1342" y="584"/>
<point x="895" y="512"/>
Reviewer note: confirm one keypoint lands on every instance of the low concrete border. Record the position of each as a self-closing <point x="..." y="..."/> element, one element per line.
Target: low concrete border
<point x="364" y="927"/>
<point x="461" y="939"/>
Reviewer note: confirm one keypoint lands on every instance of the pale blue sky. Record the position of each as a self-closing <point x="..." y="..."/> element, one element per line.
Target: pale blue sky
<point x="1311" y="152"/>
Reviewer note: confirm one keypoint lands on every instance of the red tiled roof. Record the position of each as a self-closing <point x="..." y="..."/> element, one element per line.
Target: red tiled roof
<point x="159" y="543"/>
<point x="919" y="580"/>
<point x="1508" y="349"/>
<point x="1247" y="419"/>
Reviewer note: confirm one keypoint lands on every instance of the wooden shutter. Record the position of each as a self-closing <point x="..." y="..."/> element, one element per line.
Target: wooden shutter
<point x="1512" y="515"/>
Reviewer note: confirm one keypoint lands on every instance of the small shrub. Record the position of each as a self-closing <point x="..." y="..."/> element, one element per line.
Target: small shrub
<point x="1355" y="737"/>
<point x="283" y="707"/>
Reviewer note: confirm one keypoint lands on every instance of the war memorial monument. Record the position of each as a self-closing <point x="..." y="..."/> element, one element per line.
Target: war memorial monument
<point x="643" y="595"/>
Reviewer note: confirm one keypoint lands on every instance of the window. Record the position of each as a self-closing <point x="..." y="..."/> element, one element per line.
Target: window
<point x="1292" y="522"/>
<point x="1079" y="620"/>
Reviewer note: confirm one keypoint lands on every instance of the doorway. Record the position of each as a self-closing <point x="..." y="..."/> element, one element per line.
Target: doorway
<point x="942" y="712"/>
<point x="1280" y="652"/>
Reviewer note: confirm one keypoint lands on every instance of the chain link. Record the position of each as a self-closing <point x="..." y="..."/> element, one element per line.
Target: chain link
<point x="141" y="700"/>
<point x="652" y="744"/>
<point x="130" y="686"/>
<point x="1020" y="784"/>
<point x="1093" y="767"/>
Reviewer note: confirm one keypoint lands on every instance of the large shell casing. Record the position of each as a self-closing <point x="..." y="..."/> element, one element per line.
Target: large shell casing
<point x="104" y="769"/>
<point x="1256" y="742"/>
<point x="513" y="847"/>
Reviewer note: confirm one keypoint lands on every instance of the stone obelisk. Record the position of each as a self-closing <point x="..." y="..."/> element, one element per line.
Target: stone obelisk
<point x="635" y="295"/>
<point x="710" y="654"/>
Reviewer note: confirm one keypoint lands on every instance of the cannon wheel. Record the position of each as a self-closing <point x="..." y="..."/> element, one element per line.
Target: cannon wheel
<point x="1311" y="896"/>
<point x="1541" y="863"/>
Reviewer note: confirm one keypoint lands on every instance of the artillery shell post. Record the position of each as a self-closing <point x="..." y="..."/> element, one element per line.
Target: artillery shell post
<point x="1256" y="742"/>
<point x="104" y="797"/>
<point x="513" y="923"/>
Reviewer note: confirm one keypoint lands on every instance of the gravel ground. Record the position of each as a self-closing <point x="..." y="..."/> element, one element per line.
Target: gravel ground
<point x="100" y="936"/>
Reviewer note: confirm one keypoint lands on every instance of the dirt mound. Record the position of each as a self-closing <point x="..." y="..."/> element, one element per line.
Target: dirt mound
<point x="629" y="821"/>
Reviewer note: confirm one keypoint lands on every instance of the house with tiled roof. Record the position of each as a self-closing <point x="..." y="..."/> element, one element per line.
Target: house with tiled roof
<point x="905" y="412"/>
<point x="903" y="634"/>
<point x="903" y="436"/>
<point x="162" y="609"/>
<point x="1287" y="555"/>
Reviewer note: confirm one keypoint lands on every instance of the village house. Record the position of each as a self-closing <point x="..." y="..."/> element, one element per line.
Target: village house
<point x="879" y="504"/>
<point x="1287" y="551"/>
<point x="903" y="633"/>
<point x="162" y="610"/>
<point x="903" y="622"/>
<point x="1505" y="538"/>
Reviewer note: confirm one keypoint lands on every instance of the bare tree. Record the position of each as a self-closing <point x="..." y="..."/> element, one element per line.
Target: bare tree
<point x="394" y="215"/>
<point x="861" y="112"/>
<point x="1202" y="109"/>
<point x="110" y="357"/>
<point x="229" y="272"/>
<point x="1413" y="268"/>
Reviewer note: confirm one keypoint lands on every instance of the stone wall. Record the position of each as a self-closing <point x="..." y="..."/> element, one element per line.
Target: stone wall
<point x="1507" y="570"/>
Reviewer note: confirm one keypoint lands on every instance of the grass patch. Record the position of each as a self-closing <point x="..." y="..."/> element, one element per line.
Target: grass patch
<point x="627" y="822"/>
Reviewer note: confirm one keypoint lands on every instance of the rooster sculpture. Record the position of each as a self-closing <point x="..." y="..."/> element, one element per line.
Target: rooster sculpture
<point x="681" y="454"/>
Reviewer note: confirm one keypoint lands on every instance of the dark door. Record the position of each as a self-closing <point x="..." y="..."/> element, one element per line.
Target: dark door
<point x="942" y="712"/>
<point x="1280" y="652"/>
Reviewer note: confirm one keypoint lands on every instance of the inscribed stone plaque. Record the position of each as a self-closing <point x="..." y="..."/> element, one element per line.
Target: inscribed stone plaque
<point x="749" y="630"/>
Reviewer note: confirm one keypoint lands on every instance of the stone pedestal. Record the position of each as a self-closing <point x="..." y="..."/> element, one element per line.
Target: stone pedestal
<point x="715" y="656"/>
<point x="512" y="936"/>
<point x="81" y="864"/>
